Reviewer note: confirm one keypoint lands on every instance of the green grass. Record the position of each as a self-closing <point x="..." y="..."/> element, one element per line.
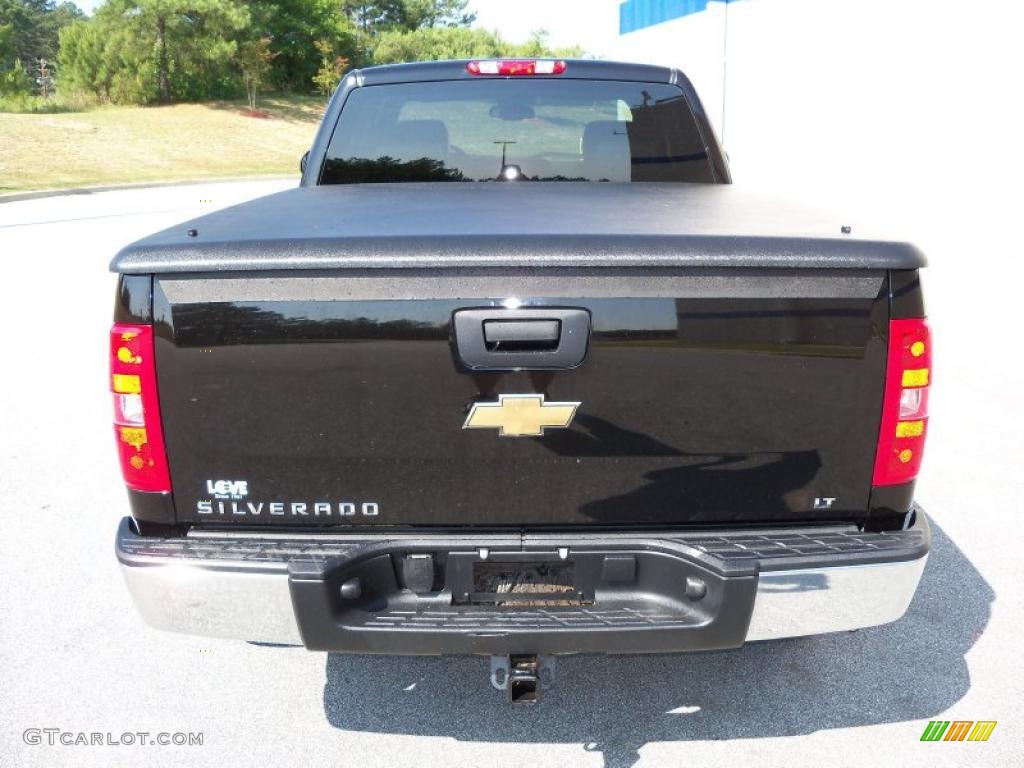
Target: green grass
<point x="119" y="145"/>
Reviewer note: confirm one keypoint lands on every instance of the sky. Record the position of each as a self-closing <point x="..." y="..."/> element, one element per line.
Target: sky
<point x="593" y="24"/>
<point x="590" y="23"/>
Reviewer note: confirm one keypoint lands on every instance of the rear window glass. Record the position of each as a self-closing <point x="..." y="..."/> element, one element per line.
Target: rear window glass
<point x="527" y="130"/>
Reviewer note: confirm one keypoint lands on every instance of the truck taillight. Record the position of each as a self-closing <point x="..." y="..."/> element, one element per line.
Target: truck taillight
<point x="137" y="427"/>
<point x="516" y="67"/>
<point x="905" y="410"/>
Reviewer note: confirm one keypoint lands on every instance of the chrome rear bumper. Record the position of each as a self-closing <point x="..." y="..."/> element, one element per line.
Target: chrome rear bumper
<point x="763" y="585"/>
<point x="819" y="600"/>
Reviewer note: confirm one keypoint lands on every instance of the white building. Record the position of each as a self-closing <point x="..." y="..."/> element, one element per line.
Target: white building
<point x="885" y="102"/>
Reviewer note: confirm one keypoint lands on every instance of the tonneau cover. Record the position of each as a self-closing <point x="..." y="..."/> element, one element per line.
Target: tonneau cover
<point x="512" y="225"/>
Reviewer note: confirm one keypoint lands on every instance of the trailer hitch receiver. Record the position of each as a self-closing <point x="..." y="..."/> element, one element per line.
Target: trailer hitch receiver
<point x="523" y="676"/>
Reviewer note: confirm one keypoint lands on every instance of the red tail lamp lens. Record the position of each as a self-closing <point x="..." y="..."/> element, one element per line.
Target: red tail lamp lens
<point x="137" y="426"/>
<point x="905" y="409"/>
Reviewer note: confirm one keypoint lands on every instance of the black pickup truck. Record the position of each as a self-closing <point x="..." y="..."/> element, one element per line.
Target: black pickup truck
<point x="517" y="372"/>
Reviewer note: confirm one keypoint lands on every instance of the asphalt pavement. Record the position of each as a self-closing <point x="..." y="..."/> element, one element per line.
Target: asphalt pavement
<point x="75" y="656"/>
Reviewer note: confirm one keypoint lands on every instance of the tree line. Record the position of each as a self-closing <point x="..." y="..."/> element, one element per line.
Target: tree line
<point x="29" y="34"/>
<point x="161" y="51"/>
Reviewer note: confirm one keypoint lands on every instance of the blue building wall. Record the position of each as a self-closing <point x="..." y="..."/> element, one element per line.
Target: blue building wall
<point x="637" y="14"/>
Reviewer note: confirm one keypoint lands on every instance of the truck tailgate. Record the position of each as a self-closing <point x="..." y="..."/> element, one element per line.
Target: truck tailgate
<point x="339" y="398"/>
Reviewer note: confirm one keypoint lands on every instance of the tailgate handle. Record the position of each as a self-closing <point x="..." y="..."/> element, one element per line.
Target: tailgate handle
<point x="521" y="335"/>
<point x="542" y="338"/>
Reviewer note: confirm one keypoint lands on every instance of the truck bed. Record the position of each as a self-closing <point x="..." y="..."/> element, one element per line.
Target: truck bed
<point x="512" y="225"/>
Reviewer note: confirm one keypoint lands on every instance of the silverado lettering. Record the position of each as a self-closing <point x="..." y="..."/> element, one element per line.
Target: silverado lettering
<point x="317" y="508"/>
<point x="610" y="402"/>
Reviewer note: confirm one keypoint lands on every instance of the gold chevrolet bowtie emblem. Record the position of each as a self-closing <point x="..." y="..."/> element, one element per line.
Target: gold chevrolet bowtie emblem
<point x="520" y="415"/>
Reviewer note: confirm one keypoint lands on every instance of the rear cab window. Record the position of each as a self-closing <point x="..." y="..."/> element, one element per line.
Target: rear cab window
<point x="523" y="130"/>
